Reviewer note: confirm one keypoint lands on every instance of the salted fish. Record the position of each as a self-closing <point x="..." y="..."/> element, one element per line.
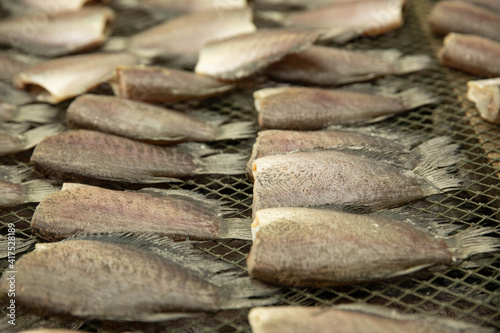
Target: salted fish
<point x="241" y="56"/>
<point x="486" y="95"/>
<point x="60" y="79"/>
<point x="58" y="34"/>
<point x="472" y="54"/>
<point x="14" y="141"/>
<point x="141" y="121"/>
<point x="341" y="21"/>
<point x="159" y="84"/>
<point x="80" y="209"/>
<point x="87" y="154"/>
<point x="48" y="6"/>
<point x="317" y="247"/>
<point x="134" y="278"/>
<point x="12" y="63"/>
<point x="466" y="18"/>
<point x="348" y="318"/>
<point x="302" y="108"/>
<point x="14" y="190"/>
<point x="333" y="66"/>
<point x="365" y="178"/>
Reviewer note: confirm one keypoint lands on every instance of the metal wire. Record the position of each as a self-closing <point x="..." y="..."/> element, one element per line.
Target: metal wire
<point x="470" y="294"/>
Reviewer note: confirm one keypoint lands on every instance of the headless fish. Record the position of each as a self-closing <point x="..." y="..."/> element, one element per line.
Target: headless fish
<point x="486" y="95"/>
<point x="134" y="278"/>
<point x="332" y="66"/>
<point x="60" y="79"/>
<point x="462" y="17"/>
<point x="241" y="56"/>
<point x="59" y="34"/>
<point x="159" y="84"/>
<point x="301" y="108"/>
<point x="141" y="121"/>
<point x="306" y="247"/>
<point x="89" y="154"/>
<point x="12" y="141"/>
<point x="363" y="177"/>
<point x="472" y="54"/>
<point x="48" y="6"/>
<point x="359" y="318"/>
<point x="80" y="209"/>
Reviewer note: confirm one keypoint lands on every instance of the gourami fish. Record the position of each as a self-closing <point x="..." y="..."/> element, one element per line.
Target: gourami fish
<point x="333" y="66"/>
<point x="88" y="154"/>
<point x="146" y="122"/>
<point x="466" y="18"/>
<point x="134" y="278"/>
<point x="14" y="141"/>
<point x="240" y="56"/>
<point x="159" y="84"/>
<point x="48" y="6"/>
<point x="60" y="79"/>
<point x="81" y="209"/>
<point x="486" y="95"/>
<point x="472" y="54"/>
<point x="357" y="177"/>
<point x="303" y="108"/>
<point x="58" y="34"/>
<point x="318" y="247"/>
<point x="348" y="318"/>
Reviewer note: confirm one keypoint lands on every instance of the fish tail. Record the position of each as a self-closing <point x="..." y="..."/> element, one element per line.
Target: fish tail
<point x="32" y="137"/>
<point x="414" y="63"/>
<point x="416" y="97"/>
<point x="14" y="173"/>
<point x="245" y="292"/>
<point x="37" y="113"/>
<point x="36" y="190"/>
<point x="227" y="164"/>
<point x="236" y="130"/>
<point x="236" y="228"/>
<point x="471" y="241"/>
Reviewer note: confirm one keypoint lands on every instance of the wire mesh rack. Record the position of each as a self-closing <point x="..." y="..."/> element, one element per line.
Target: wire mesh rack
<point x="468" y="294"/>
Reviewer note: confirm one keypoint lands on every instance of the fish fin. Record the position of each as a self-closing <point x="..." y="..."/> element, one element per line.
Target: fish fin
<point x="472" y="241"/>
<point x="415" y="97"/>
<point x="14" y="129"/>
<point x="15" y="173"/>
<point x="32" y="137"/>
<point x="227" y="164"/>
<point x="414" y="63"/>
<point x="338" y="35"/>
<point x="197" y="149"/>
<point x="14" y="96"/>
<point x="236" y="130"/>
<point x="245" y="292"/>
<point x="36" y="190"/>
<point x="213" y="118"/>
<point x="36" y="113"/>
<point x="236" y="228"/>
<point x="21" y="245"/>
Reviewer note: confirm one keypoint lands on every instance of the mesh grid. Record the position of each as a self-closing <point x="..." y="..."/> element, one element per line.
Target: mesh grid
<point x="467" y="294"/>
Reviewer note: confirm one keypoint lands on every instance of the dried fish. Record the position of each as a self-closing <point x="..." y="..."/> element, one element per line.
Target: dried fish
<point x="301" y="108"/>
<point x="88" y="154"/>
<point x="134" y="278"/>
<point x="333" y="66"/>
<point x="360" y="318"/>
<point x="241" y="56"/>
<point x="48" y="6"/>
<point x="486" y="95"/>
<point x="318" y="248"/>
<point x="13" y="96"/>
<point x="472" y="54"/>
<point x="462" y="17"/>
<point x="12" y="141"/>
<point x="36" y="113"/>
<point x="81" y="209"/>
<point x="11" y="245"/>
<point x="175" y="7"/>
<point x="491" y="4"/>
<point x="58" y="34"/>
<point x="13" y="63"/>
<point x="159" y="84"/>
<point x="293" y="4"/>
<point x="362" y="177"/>
<point x="60" y="79"/>
<point x="141" y="121"/>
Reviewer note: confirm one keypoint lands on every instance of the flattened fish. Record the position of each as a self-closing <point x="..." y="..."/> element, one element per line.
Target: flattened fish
<point x="317" y="248"/>
<point x="60" y="79"/>
<point x="48" y="6"/>
<point x="134" y="278"/>
<point x="12" y="141"/>
<point x="88" y="154"/>
<point x="241" y="56"/>
<point x="486" y="95"/>
<point x="360" y="177"/>
<point x="146" y="122"/>
<point x="359" y="318"/>
<point x="301" y="108"/>
<point x="332" y="66"/>
<point x="472" y="54"/>
<point x="80" y="209"/>
<point x="159" y="84"/>
<point x="59" y="34"/>
<point x="462" y="17"/>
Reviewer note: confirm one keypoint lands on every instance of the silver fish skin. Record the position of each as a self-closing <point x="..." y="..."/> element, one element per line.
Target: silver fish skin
<point x="146" y="122"/>
<point x="13" y="142"/>
<point x="471" y="54"/>
<point x="60" y="79"/>
<point x="356" y="177"/>
<point x="465" y="18"/>
<point x="58" y="34"/>
<point x="303" y="108"/>
<point x="134" y="278"/>
<point x="486" y="95"/>
<point x="88" y="154"/>
<point x="241" y="56"/>
<point x="159" y="84"/>
<point x="360" y="318"/>
<point x="307" y="247"/>
<point x="323" y="65"/>
<point x="81" y="209"/>
<point x="19" y="7"/>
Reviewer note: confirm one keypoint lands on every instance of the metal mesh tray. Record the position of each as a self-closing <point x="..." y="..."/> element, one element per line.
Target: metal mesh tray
<point x="470" y="295"/>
